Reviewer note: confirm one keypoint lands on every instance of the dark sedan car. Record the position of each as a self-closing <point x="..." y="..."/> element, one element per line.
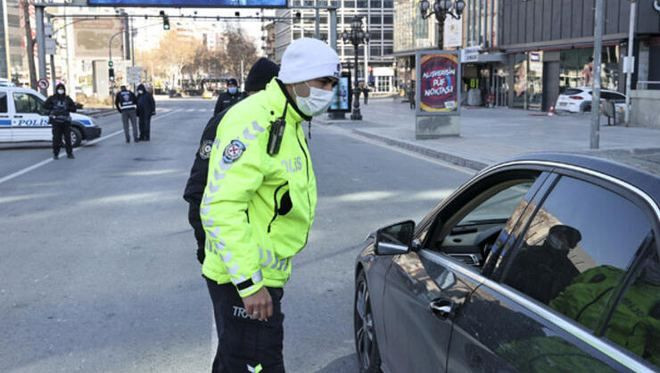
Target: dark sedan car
<point x="547" y="263"/>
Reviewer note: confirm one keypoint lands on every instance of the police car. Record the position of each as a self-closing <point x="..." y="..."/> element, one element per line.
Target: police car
<point x="23" y="118"/>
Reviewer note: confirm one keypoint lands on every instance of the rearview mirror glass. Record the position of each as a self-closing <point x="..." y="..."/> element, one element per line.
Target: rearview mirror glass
<point x="395" y="239"/>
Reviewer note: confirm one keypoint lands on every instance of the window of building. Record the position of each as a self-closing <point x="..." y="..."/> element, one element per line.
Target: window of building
<point x="388" y="20"/>
<point x="376" y="4"/>
<point x="582" y="234"/>
<point x="383" y="83"/>
<point x="375" y="52"/>
<point x="349" y="3"/>
<point x="375" y="20"/>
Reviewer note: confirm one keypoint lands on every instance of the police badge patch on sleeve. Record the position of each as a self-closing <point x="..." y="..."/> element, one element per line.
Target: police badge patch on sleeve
<point x="233" y="151"/>
<point x="205" y="149"/>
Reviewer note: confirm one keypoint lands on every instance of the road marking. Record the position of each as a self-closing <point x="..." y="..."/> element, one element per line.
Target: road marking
<point x="47" y="161"/>
<point x="347" y="133"/>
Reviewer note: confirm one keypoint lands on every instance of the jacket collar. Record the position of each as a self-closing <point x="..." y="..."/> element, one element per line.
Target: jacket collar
<point x="278" y="97"/>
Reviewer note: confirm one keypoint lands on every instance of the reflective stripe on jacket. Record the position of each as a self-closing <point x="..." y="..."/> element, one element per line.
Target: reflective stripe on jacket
<point x="257" y="209"/>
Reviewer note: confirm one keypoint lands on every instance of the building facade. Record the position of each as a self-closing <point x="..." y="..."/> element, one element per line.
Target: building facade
<point x="377" y="18"/>
<point x="13" y="55"/>
<point x="476" y="29"/>
<point x="549" y="47"/>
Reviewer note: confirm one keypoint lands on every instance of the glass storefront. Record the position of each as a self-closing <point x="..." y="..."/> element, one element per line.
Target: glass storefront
<point x="577" y="68"/>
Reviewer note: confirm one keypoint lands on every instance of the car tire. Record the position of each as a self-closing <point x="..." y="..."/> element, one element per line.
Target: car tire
<point x="364" y="331"/>
<point x="585" y="107"/>
<point x="76" y="137"/>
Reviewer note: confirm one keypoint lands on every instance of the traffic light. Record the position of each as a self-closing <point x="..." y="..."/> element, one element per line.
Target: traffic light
<point x="111" y="74"/>
<point x="166" y="20"/>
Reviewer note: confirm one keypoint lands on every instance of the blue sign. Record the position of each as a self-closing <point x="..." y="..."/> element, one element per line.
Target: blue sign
<point x="193" y="3"/>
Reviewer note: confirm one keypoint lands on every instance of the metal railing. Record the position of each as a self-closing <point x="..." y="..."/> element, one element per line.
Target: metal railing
<point x="644" y="84"/>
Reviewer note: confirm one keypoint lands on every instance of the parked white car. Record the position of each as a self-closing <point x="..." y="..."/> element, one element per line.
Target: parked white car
<point x="578" y="100"/>
<point x="24" y="119"/>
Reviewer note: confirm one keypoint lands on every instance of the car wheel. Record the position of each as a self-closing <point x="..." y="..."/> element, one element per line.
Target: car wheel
<point x="585" y="107"/>
<point x="76" y="137"/>
<point x="365" y="333"/>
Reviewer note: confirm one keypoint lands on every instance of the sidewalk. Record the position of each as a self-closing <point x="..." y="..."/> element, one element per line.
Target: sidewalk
<point x="492" y="135"/>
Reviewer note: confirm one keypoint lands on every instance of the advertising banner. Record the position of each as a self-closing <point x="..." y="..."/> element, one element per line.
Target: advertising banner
<point x="438" y="88"/>
<point x="343" y="99"/>
<point x="193" y="3"/>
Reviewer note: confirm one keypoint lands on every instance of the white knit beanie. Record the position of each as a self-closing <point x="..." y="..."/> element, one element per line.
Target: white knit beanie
<point x="307" y="59"/>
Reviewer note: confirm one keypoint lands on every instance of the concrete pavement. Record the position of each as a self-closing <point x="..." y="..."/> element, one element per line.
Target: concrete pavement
<point x="493" y="135"/>
<point x="98" y="270"/>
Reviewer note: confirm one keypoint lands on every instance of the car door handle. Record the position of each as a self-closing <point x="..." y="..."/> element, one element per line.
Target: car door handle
<point x="442" y="308"/>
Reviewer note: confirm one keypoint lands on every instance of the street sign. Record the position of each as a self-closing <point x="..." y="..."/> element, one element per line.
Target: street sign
<point x="43" y="83"/>
<point x="110" y="64"/>
<point x="629" y="65"/>
<point x="51" y="46"/>
<point x="470" y="54"/>
<point x="134" y="74"/>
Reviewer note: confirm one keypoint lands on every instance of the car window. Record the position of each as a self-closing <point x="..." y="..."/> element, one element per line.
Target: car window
<point x="580" y="231"/>
<point x="572" y="91"/>
<point x="470" y="232"/>
<point x="27" y="104"/>
<point x="3" y="102"/>
<point x="635" y="322"/>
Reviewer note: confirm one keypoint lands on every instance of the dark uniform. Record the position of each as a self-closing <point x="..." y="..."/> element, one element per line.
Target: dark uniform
<point x="126" y="104"/>
<point x="146" y="108"/>
<point x="59" y="108"/>
<point x="197" y="181"/>
<point x="226" y="99"/>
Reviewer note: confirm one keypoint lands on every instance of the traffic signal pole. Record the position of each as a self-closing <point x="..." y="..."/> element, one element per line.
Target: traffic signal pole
<point x="41" y="44"/>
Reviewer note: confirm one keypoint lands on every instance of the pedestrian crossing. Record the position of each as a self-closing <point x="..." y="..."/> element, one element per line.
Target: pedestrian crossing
<point x="184" y="110"/>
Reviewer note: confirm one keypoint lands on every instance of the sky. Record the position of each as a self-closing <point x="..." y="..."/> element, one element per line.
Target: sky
<point x="150" y="30"/>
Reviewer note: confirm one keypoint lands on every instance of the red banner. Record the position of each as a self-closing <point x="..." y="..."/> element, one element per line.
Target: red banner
<point x="439" y="83"/>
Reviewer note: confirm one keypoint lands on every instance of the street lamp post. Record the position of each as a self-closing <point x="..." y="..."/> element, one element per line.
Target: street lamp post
<point x="441" y="9"/>
<point x="356" y="36"/>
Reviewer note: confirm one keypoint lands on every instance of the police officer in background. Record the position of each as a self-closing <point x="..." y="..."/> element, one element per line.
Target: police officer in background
<point x="59" y="107"/>
<point x="126" y="104"/>
<point x="146" y="108"/>
<point x="258" y="205"/>
<point x="261" y="73"/>
<point x="228" y="98"/>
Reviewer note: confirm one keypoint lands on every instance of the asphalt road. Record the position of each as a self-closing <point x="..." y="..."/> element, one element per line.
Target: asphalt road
<point x="97" y="264"/>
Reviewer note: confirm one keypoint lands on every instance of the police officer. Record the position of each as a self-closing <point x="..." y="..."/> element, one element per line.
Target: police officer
<point x="59" y="107"/>
<point x="228" y="98"/>
<point x="259" y="203"/>
<point x="146" y="108"/>
<point x="261" y="73"/>
<point x="126" y="104"/>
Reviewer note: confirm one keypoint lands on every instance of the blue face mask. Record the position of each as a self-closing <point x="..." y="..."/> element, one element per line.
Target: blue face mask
<point x="232" y="90"/>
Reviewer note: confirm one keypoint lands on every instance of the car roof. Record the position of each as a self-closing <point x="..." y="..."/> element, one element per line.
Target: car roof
<point x="641" y="170"/>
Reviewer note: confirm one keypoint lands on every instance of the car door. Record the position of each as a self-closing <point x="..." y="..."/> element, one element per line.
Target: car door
<point x="5" y="119"/>
<point x="548" y="290"/>
<point x="424" y="288"/>
<point x="29" y="122"/>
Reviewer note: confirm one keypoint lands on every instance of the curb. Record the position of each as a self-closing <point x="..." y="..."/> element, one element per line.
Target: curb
<point x="443" y="156"/>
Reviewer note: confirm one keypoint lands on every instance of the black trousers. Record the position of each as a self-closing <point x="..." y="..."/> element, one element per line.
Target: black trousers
<point x="145" y="126"/>
<point x="244" y="343"/>
<point x="59" y="130"/>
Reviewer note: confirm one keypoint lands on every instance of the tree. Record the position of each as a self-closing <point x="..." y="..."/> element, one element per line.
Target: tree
<point x="29" y="43"/>
<point x="175" y="51"/>
<point x="238" y="48"/>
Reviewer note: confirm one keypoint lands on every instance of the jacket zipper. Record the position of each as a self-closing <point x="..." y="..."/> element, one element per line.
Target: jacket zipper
<point x="309" y="201"/>
<point x="276" y="204"/>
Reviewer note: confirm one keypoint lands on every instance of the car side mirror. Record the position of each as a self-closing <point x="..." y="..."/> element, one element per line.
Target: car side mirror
<point x="395" y="239"/>
<point x="79" y="105"/>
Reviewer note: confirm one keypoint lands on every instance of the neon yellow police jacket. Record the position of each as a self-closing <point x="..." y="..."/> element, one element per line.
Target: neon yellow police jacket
<point x="257" y="209"/>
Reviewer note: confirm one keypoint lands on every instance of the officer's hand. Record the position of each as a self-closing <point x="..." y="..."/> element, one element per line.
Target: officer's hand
<point x="201" y="254"/>
<point x="259" y="305"/>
